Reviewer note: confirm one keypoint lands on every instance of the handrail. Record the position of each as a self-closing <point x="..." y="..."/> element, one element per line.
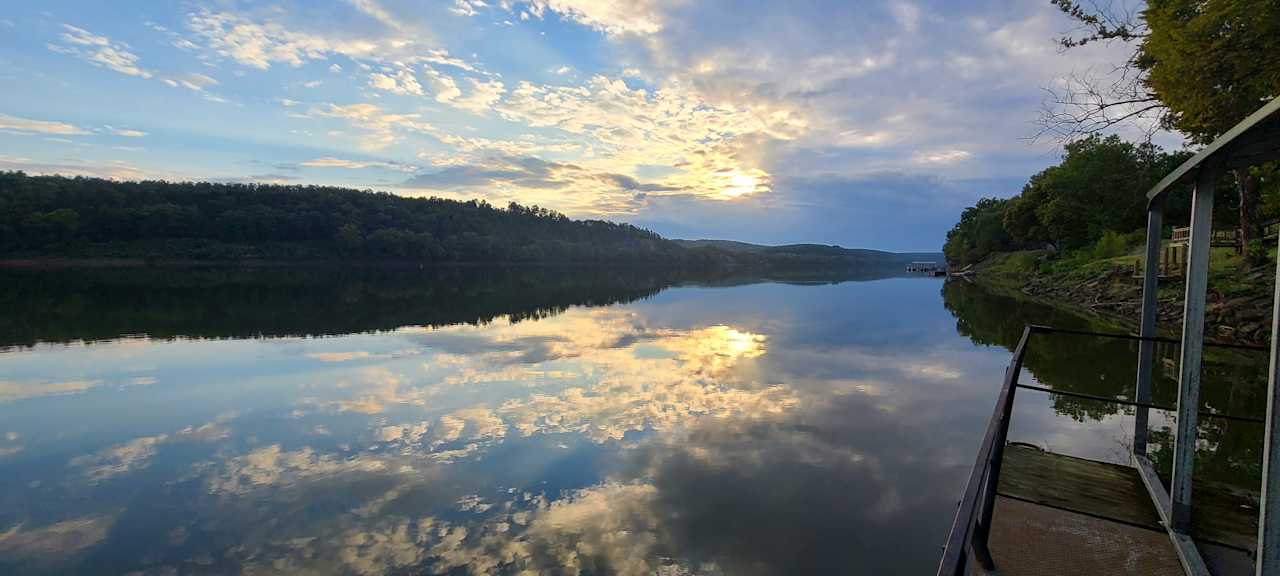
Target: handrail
<point x="1207" y="343"/>
<point x="955" y="553"/>
<point x="1123" y="402"/>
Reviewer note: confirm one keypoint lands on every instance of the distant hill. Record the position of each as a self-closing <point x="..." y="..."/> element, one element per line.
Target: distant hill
<point x="55" y="217"/>
<point x="815" y="252"/>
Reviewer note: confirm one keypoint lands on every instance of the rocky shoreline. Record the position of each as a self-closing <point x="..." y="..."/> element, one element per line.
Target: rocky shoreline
<point x="1240" y="314"/>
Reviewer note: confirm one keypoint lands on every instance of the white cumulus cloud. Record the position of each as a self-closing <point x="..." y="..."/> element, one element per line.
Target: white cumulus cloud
<point x="99" y="51"/>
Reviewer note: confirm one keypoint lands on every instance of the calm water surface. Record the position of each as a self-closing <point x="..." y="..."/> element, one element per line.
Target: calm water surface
<point x="526" y="421"/>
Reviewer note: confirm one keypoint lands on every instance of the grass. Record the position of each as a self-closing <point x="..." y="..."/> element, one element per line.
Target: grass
<point x="1229" y="274"/>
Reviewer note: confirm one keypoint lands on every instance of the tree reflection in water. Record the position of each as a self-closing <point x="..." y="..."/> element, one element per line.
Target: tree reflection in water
<point x="1233" y="381"/>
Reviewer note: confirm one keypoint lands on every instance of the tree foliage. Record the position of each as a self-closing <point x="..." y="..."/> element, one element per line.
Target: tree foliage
<point x="1211" y="62"/>
<point x="55" y="216"/>
<point x="979" y="232"/>
<point x="1198" y="66"/>
<point x="45" y="215"/>
<point x="1098" y="187"/>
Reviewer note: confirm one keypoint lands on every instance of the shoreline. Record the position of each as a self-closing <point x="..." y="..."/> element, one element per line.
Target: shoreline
<point x="66" y="263"/>
<point x="1238" y="306"/>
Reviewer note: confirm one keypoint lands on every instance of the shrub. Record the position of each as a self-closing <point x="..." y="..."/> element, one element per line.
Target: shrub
<point x="1257" y="250"/>
<point x="1111" y="245"/>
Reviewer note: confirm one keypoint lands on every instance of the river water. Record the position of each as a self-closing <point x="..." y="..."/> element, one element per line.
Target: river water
<point x="506" y="421"/>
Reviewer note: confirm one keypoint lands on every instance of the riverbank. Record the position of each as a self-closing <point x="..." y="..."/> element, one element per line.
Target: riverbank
<point x="1238" y="306"/>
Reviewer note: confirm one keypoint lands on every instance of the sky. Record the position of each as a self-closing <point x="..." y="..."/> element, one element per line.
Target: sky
<point x="857" y="123"/>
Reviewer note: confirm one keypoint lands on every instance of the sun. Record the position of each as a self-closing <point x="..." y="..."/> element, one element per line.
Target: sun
<point x="740" y="184"/>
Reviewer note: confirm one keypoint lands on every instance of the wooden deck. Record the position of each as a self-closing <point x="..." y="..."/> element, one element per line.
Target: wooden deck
<point x="1058" y="514"/>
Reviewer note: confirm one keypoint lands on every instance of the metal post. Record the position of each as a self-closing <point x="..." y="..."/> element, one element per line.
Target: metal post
<point x="1268" y="561"/>
<point x="1147" y="348"/>
<point x="1184" y="444"/>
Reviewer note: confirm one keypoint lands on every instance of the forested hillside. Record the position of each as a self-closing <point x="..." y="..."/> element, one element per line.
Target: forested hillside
<point x="90" y="217"/>
<point x="1094" y="201"/>
<point x="60" y="217"/>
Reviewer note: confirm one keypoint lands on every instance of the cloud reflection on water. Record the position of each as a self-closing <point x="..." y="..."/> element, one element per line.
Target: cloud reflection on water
<point x="637" y="439"/>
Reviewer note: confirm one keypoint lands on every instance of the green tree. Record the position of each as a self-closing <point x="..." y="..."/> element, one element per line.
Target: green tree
<point x="1097" y="189"/>
<point x="979" y="232"/>
<point x="1212" y="63"/>
<point x="1099" y="186"/>
<point x="1020" y="218"/>
<point x="1200" y="66"/>
<point x="350" y="240"/>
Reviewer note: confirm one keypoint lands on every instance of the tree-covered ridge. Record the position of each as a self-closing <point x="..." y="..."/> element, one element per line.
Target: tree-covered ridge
<point x="1098" y="191"/>
<point x="1197" y="66"/>
<point x="45" y="215"/>
<point x="56" y="216"/>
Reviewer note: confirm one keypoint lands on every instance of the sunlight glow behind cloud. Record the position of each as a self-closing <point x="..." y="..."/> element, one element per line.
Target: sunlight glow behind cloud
<point x="619" y="109"/>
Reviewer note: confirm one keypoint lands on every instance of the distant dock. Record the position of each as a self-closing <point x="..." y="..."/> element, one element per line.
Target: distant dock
<point x="928" y="267"/>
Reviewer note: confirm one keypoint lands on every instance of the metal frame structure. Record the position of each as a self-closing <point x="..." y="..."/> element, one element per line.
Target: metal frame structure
<point x="1254" y="141"/>
<point x="972" y="525"/>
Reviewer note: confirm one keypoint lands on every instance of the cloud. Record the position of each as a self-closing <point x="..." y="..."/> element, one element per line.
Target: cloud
<point x="137" y="454"/>
<point x="9" y="446"/>
<point x="482" y="96"/>
<point x="443" y="87"/>
<point x="941" y="156"/>
<point x="613" y="17"/>
<point x="683" y="375"/>
<point x="331" y="162"/>
<point x="628" y="183"/>
<point x="523" y="172"/>
<point x="20" y="390"/>
<point x="272" y="466"/>
<point x="467" y="7"/>
<point x="466" y="148"/>
<point x="383" y="128"/>
<point x="403" y="82"/>
<point x="260" y="44"/>
<point x="375" y="10"/>
<point x="442" y="57"/>
<point x="194" y="81"/>
<point x="127" y="133"/>
<point x="55" y="542"/>
<point x="115" y="170"/>
<point x="117" y="460"/>
<point x="338" y="356"/>
<point x="611" y="524"/>
<point x="27" y="126"/>
<point x="259" y="179"/>
<point x="907" y="15"/>
<point x="99" y="51"/>
<point x="502" y="172"/>
<point x="711" y="146"/>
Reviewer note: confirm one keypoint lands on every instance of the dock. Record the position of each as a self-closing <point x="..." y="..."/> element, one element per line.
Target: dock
<point x="929" y="268"/>
<point x="1025" y="511"/>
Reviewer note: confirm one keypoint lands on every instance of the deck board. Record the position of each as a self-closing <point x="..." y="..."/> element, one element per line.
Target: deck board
<point x="1033" y="540"/>
<point x="1224" y="515"/>
<point x="1095" y="488"/>
<point x="1064" y="487"/>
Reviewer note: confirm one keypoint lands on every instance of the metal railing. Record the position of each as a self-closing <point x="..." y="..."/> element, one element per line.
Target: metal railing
<point x="972" y="525"/>
<point x="971" y="529"/>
